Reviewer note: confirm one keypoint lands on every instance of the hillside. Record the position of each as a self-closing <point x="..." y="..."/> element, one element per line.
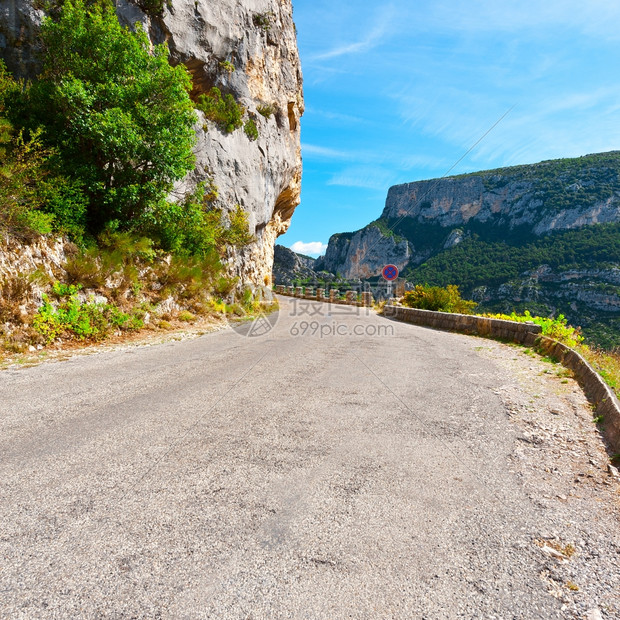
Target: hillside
<point x="544" y="237"/>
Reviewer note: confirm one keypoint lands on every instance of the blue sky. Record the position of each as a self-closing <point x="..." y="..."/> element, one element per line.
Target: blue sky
<point x="399" y="91"/>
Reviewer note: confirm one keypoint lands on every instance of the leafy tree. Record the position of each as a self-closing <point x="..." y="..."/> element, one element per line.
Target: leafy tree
<point x="117" y="114"/>
<point x="33" y="200"/>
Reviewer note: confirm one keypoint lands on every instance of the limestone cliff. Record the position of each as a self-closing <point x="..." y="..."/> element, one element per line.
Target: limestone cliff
<point x="363" y="254"/>
<point x="257" y="38"/>
<point x="510" y="203"/>
<point x="288" y="266"/>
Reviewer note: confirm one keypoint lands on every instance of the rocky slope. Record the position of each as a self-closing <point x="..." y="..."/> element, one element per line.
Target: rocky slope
<point x="288" y="266"/>
<point x="544" y="236"/>
<point x="258" y="38"/>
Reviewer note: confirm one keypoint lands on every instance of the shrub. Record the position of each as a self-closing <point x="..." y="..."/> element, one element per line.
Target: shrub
<point x="81" y="320"/>
<point x="251" y="130"/>
<point x="227" y="66"/>
<point x="439" y="299"/>
<point x="153" y="7"/>
<point x="263" y="20"/>
<point x="266" y="110"/>
<point x="555" y="328"/>
<point x="223" y="110"/>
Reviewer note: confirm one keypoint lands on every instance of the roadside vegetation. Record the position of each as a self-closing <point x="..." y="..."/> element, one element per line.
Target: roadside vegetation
<point x="90" y="151"/>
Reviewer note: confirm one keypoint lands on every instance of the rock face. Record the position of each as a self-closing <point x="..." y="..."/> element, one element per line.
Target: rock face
<point x="502" y="199"/>
<point x="520" y="201"/>
<point x="363" y="254"/>
<point x="289" y="266"/>
<point x="257" y="38"/>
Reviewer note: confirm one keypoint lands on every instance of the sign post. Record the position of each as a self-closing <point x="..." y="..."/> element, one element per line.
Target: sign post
<point x="389" y="273"/>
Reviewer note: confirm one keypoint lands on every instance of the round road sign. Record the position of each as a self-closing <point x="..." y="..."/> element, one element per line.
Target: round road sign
<point x="390" y="272"/>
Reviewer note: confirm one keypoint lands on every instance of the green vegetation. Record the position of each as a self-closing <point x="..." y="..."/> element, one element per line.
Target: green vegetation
<point x="251" y="131"/>
<point x="227" y="66"/>
<point x="91" y="149"/>
<point x="116" y="114"/>
<point x="263" y="20"/>
<point x="95" y="144"/>
<point x="553" y="327"/>
<point x="80" y="319"/>
<point x="439" y="299"/>
<point x="266" y="110"/>
<point x="154" y="7"/>
<point x="223" y="110"/>
<point x="386" y="230"/>
<point x="478" y="261"/>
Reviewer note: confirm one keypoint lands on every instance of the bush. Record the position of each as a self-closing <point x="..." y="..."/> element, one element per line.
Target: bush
<point x="117" y="115"/>
<point x="227" y="66"/>
<point x="224" y="111"/>
<point x="266" y="110"/>
<point x="439" y="299"/>
<point x="263" y="20"/>
<point x="251" y="130"/>
<point x="555" y="328"/>
<point x="81" y="320"/>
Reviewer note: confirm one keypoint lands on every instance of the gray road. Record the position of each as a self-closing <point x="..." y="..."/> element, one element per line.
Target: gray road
<point x="296" y="475"/>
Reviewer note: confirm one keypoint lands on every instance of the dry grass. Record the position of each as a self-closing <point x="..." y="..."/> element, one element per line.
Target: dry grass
<point x="606" y="363"/>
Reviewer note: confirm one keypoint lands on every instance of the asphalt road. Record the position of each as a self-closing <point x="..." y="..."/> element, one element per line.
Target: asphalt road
<point x="307" y="473"/>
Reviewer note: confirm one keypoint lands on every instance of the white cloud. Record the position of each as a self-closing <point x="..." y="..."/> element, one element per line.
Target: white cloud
<point x="323" y="152"/>
<point x="368" y="42"/>
<point x="368" y="177"/>
<point x="313" y="248"/>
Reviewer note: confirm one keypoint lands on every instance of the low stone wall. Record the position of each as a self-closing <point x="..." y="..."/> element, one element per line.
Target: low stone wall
<point x="598" y="393"/>
<point x="523" y="333"/>
<point x="351" y="297"/>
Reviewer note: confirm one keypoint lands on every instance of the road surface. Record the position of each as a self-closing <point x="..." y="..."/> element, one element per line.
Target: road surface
<point x="339" y="466"/>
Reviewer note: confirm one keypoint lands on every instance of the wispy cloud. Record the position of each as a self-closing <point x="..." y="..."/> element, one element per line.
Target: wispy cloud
<point x="367" y="177"/>
<point x="371" y="39"/>
<point x="322" y="152"/>
<point x="598" y="18"/>
<point x="336" y="116"/>
<point x="312" y="248"/>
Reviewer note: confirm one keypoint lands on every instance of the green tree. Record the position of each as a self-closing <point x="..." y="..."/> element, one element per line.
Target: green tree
<point x="117" y="114"/>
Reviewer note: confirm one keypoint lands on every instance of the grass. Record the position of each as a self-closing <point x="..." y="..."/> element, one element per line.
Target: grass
<point x="119" y="290"/>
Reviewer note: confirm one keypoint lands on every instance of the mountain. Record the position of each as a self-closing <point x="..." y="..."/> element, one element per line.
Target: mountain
<point x="245" y="48"/>
<point x="288" y="266"/>
<point x="544" y="236"/>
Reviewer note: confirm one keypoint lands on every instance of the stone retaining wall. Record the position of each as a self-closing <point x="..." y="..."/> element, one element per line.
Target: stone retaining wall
<point x="523" y="333"/>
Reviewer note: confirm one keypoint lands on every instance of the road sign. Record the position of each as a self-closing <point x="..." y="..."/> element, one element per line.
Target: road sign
<point x="390" y="272"/>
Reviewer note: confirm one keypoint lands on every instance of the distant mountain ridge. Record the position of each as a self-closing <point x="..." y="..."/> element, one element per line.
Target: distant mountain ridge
<point x="544" y="236"/>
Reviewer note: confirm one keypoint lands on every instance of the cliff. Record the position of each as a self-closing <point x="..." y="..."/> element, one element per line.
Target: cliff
<point x="363" y="254"/>
<point x="289" y="266"/>
<point x="255" y="37"/>
<point x="544" y="236"/>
